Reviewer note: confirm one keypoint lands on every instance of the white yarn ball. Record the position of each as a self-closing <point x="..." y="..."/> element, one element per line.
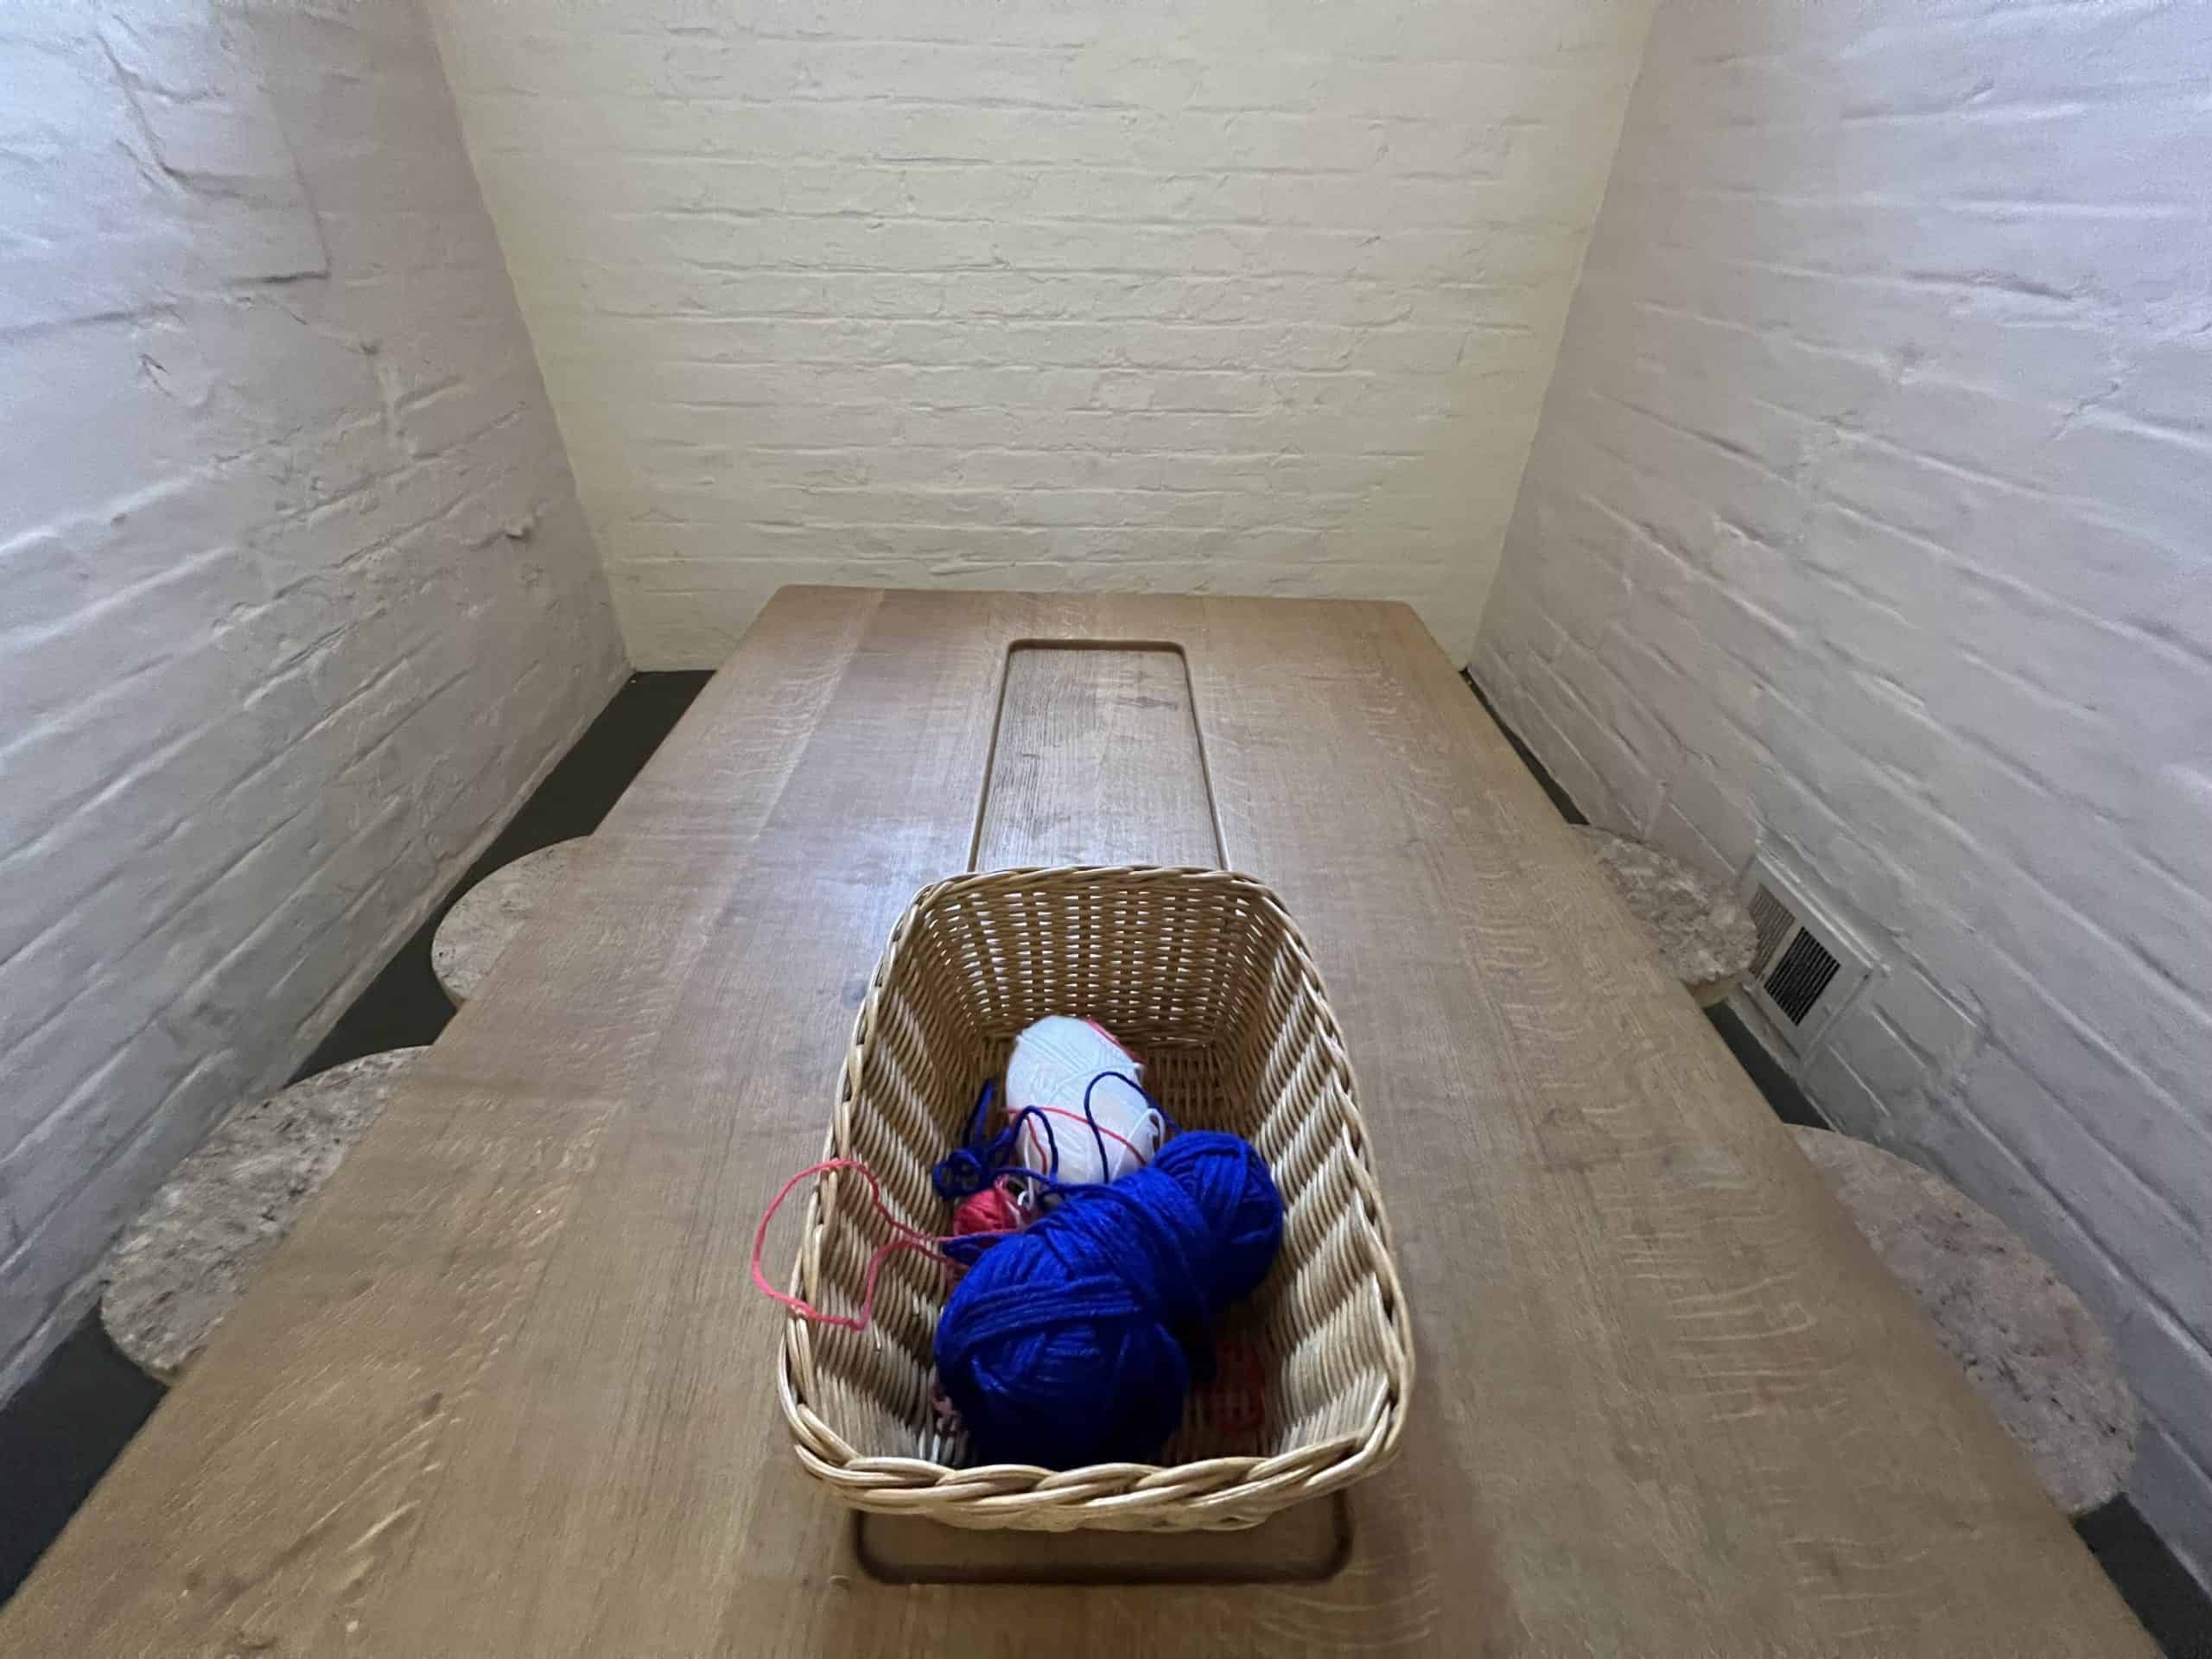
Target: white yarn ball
<point x="1053" y="1063"/>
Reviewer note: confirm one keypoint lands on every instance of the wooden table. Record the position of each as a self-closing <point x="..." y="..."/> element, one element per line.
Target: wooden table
<point x="506" y="1391"/>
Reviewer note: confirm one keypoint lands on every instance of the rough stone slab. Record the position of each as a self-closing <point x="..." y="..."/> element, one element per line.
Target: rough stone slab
<point x="197" y="1247"/>
<point x="1705" y="934"/>
<point x="490" y="914"/>
<point x="2027" y="1343"/>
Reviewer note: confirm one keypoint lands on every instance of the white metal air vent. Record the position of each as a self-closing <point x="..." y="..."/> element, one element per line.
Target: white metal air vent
<point x="1806" y="966"/>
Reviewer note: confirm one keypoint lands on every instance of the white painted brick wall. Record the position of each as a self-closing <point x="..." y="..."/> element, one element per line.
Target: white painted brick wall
<point x="1044" y="293"/>
<point x="1867" y="518"/>
<point x="296" y="599"/>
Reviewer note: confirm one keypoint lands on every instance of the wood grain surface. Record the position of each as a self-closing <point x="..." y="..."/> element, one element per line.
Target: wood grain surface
<point x="1056" y="795"/>
<point x="507" y="1392"/>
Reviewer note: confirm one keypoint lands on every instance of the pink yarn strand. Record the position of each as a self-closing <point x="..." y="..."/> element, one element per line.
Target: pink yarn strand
<point x="903" y="1238"/>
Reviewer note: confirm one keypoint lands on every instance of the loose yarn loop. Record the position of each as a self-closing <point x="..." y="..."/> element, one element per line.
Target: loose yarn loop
<point x="979" y="1219"/>
<point x="982" y="1158"/>
<point x="903" y="1237"/>
<point x="1075" y="1340"/>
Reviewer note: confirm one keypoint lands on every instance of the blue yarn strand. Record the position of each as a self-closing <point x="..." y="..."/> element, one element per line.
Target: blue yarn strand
<point x="1091" y="1117"/>
<point x="980" y="1115"/>
<point x="974" y="1166"/>
<point x="979" y="1160"/>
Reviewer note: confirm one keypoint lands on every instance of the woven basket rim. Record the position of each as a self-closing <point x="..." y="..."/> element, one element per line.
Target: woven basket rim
<point x="1219" y="1492"/>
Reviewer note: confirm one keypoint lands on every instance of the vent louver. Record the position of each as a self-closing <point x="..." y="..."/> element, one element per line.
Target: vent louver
<point x="1796" y="981"/>
<point x="1773" y="920"/>
<point x="1805" y="967"/>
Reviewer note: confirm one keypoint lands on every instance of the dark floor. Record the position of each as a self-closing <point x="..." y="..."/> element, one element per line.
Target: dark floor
<point x="64" y="1427"/>
<point x="58" y="1434"/>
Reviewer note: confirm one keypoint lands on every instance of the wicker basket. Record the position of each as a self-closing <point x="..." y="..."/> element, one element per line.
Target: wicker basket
<point x="1205" y="975"/>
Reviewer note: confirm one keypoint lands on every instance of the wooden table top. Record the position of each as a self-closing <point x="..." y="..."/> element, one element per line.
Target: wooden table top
<point x="507" y="1391"/>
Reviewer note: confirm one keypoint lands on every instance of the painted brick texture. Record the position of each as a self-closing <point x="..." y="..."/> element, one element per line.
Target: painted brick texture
<point x="296" y="599"/>
<point x="1866" y="520"/>
<point x="1244" y="298"/>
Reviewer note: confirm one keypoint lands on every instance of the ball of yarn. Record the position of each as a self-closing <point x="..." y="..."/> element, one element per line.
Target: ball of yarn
<point x="1086" y="1133"/>
<point x="1074" y="1341"/>
<point x="993" y="1210"/>
<point x="980" y="1217"/>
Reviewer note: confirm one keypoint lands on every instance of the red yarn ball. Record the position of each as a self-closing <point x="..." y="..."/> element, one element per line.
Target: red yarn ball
<point x="991" y="1210"/>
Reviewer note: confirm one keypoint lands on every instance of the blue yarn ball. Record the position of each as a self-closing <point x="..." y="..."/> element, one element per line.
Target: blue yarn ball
<point x="1074" y="1341"/>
